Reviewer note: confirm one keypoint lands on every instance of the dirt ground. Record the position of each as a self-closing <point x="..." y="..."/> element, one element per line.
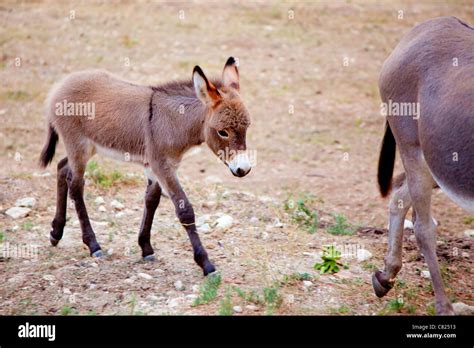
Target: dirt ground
<point x="309" y="76"/>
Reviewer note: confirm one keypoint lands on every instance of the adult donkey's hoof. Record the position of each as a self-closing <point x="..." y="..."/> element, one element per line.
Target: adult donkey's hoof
<point x="53" y="241"/>
<point x="209" y="269"/>
<point x="98" y="253"/>
<point x="149" y="258"/>
<point x="381" y="286"/>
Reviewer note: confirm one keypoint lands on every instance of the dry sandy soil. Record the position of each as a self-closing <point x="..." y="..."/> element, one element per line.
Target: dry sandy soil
<point x="316" y="130"/>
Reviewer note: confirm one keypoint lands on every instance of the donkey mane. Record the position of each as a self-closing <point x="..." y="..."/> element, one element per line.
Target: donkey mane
<point x="184" y="88"/>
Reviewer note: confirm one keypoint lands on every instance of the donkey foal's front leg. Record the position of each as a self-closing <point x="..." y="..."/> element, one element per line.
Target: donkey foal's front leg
<point x="185" y="214"/>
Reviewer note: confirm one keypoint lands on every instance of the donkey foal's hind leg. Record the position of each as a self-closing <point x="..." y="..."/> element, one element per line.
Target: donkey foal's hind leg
<point x="61" y="203"/>
<point x="400" y="203"/>
<point x="152" y="200"/>
<point x="76" y="189"/>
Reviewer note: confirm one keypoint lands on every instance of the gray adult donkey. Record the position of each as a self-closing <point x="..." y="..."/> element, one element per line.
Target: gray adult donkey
<point x="152" y="126"/>
<point x="432" y="68"/>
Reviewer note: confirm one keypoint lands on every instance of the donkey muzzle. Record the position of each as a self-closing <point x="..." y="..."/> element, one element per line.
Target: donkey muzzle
<point x="240" y="165"/>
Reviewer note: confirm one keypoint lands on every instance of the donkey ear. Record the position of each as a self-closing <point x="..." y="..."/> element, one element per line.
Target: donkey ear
<point x="230" y="75"/>
<point x="204" y="89"/>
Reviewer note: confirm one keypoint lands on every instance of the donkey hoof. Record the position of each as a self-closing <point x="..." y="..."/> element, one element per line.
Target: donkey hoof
<point x="209" y="269"/>
<point x="380" y="290"/>
<point x="97" y="253"/>
<point x="53" y="241"/>
<point x="149" y="258"/>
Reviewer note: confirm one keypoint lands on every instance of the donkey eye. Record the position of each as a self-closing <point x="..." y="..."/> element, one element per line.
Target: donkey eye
<point x="223" y="134"/>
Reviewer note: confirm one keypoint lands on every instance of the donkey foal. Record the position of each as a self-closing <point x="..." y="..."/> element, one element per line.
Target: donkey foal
<point x="151" y="126"/>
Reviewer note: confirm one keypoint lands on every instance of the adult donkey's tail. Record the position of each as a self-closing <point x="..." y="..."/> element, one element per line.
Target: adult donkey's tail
<point x="386" y="161"/>
<point x="49" y="147"/>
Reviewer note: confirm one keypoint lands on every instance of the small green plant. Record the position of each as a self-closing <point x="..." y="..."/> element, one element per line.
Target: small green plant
<point x="302" y="215"/>
<point x="67" y="310"/>
<point x="395" y="305"/>
<point x="341" y="310"/>
<point x="2" y="236"/>
<point x="341" y="226"/>
<point x="208" y="290"/>
<point x="272" y="298"/>
<point x="27" y="225"/>
<point x="301" y="276"/>
<point x="468" y="220"/>
<point x="226" y="308"/>
<point x="100" y="178"/>
<point x="330" y="260"/>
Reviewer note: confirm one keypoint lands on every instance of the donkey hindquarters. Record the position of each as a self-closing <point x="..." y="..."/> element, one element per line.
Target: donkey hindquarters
<point x="432" y="67"/>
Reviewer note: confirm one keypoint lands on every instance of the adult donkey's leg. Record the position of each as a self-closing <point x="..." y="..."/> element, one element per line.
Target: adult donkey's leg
<point x="400" y="203"/>
<point x="185" y="214"/>
<point x="61" y="203"/>
<point x="152" y="200"/>
<point x="420" y="185"/>
<point x="76" y="189"/>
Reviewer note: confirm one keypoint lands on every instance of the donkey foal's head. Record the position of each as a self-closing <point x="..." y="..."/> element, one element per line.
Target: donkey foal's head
<point x="226" y="124"/>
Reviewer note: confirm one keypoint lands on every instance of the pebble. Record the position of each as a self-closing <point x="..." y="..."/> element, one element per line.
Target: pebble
<point x="363" y="255"/>
<point x="99" y="200"/>
<point x="225" y="221"/>
<point x="102" y="209"/>
<point x="116" y="205"/>
<point x="307" y="283"/>
<point x="204" y="228"/>
<point x="251" y="308"/>
<point x="408" y="224"/>
<point x="469" y="233"/>
<point x="120" y="215"/>
<point x="174" y="302"/>
<point x="237" y="309"/>
<point x="201" y="220"/>
<point x="191" y="297"/>
<point x="460" y="308"/>
<point x="195" y="288"/>
<point x="425" y="274"/>
<point x="26" y="202"/>
<point x="18" y="212"/>
<point x="49" y="277"/>
<point x="129" y="281"/>
<point x="179" y="285"/>
<point x="145" y="276"/>
<point x="41" y="175"/>
<point x="67" y="291"/>
<point x="254" y="220"/>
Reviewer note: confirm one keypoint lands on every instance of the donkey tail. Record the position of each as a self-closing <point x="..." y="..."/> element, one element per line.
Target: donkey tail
<point x="49" y="147"/>
<point x="386" y="162"/>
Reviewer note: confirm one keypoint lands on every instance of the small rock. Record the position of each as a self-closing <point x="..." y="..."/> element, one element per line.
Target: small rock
<point x="110" y="251"/>
<point x="120" y="215"/>
<point x="201" y="220"/>
<point x="179" y="285"/>
<point x="145" y="276"/>
<point x="469" y="233"/>
<point x="254" y="220"/>
<point x="237" y="309"/>
<point x="99" y="200"/>
<point x="174" y="302"/>
<point x="102" y="209"/>
<point x="49" y="277"/>
<point x="195" y="288"/>
<point x="18" y="212"/>
<point x="307" y="283"/>
<point x="224" y="222"/>
<point x="204" y="228"/>
<point x="251" y="308"/>
<point x="191" y="297"/>
<point x="425" y="274"/>
<point x="26" y="202"/>
<point x="94" y="264"/>
<point x="116" y="205"/>
<point x="266" y="199"/>
<point x="152" y="298"/>
<point x="67" y="291"/>
<point x="277" y="223"/>
<point x="460" y="308"/>
<point x="363" y="255"/>
<point x="129" y="281"/>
